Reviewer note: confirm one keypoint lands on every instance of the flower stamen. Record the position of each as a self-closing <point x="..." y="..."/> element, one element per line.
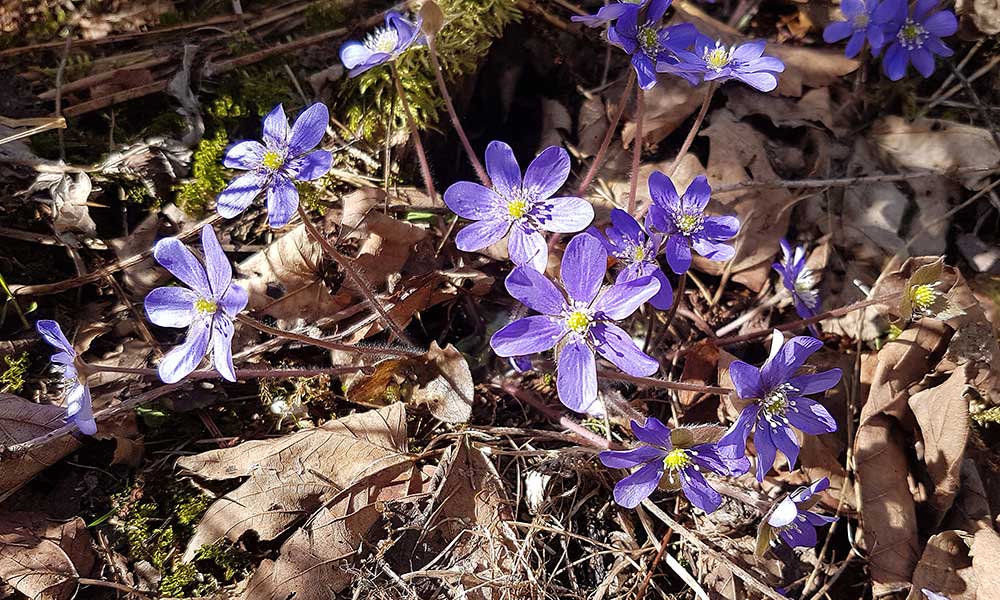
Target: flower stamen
<point x="579" y="321"/>
<point x="689" y="223"/>
<point x="383" y="39"/>
<point x="272" y="160"/>
<point x="206" y="306"/>
<point x="676" y="459"/>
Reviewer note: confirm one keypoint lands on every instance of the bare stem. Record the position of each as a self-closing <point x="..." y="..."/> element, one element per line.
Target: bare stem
<point x="364" y="288"/>
<point x="240" y="373"/>
<point x="694" y="128"/>
<point x="450" y="107"/>
<point x="321" y="343"/>
<point x="587" y="437"/>
<point x="608" y="135"/>
<point x="425" y="168"/>
<point x="678" y="298"/>
<point x="633" y="183"/>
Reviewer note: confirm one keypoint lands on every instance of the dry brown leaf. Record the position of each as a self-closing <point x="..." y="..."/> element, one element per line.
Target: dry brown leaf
<point x="985" y="554"/>
<point x="945" y="568"/>
<point x="942" y="414"/>
<point x="470" y="511"/>
<point x="21" y="421"/>
<point x="43" y="559"/>
<point x="736" y="154"/>
<point x="292" y="476"/>
<point x="971" y="510"/>
<point x="937" y="145"/>
<point x="700" y="367"/>
<point x="667" y="106"/>
<point x="592" y="123"/>
<point x="439" y="379"/>
<point x="888" y="514"/>
<point x="978" y="18"/>
<point x="813" y="109"/>
<point x="285" y="280"/>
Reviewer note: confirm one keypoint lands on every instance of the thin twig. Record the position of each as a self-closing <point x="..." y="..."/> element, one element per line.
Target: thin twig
<point x="694" y="128"/>
<point x="662" y="383"/>
<point x="587" y="437"/>
<point x="850" y="181"/>
<point x="364" y="288"/>
<point x="321" y="343"/>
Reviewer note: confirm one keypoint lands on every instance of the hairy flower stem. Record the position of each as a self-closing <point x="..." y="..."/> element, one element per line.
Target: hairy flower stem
<point x="321" y="343"/>
<point x="608" y="135"/>
<point x="240" y="373"/>
<point x="455" y="122"/>
<point x="678" y="297"/>
<point x="364" y="288"/>
<point x="694" y="128"/>
<point x="662" y="383"/>
<point x="633" y="183"/>
<point x="425" y="168"/>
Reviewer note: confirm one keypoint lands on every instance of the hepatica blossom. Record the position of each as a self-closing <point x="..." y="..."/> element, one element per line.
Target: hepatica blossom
<point x="918" y="38"/>
<point x="864" y="20"/>
<point x="628" y="242"/>
<point x="522" y="208"/>
<point x="798" y="279"/>
<point x="285" y="156"/>
<point x="382" y="45"/>
<point x="791" y="520"/>
<point x="682" y="220"/>
<point x="657" y="456"/>
<point x="206" y="307"/>
<point x="648" y="43"/>
<point x="743" y="62"/>
<point x="778" y="403"/>
<point x="76" y="391"/>
<point x="577" y="322"/>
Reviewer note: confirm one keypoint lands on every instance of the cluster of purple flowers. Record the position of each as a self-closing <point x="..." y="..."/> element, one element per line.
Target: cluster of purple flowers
<point x="908" y="35"/>
<point x="680" y="49"/>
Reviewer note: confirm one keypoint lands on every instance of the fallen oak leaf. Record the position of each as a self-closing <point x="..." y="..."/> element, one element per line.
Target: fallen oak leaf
<point x="946" y="568"/>
<point x="41" y="558"/>
<point x="292" y="476"/>
<point x="21" y="421"/>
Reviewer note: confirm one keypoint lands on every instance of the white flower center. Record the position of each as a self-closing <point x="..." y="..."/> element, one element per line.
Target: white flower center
<point x="804" y="284"/>
<point x="649" y="40"/>
<point x="718" y="58"/>
<point x="384" y="40"/>
<point x="911" y="35"/>
<point x="689" y="223"/>
<point x="775" y="404"/>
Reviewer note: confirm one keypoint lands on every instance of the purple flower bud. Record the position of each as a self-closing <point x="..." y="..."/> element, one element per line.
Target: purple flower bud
<point x="76" y="391"/>
<point x="285" y="156"/>
<point x="791" y="521"/>
<point x="799" y="280"/>
<point x="206" y="307"/>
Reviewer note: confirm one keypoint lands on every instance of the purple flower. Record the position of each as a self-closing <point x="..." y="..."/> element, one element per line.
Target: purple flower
<point x="627" y="241"/>
<point x="609" y="12"/>
<point x="657" y="456"/>
<point x="77" y="393"/>
<point x="682" y="220"/>
<point x="648" y="42"/>
<point x="791" y="521"/>
<point x="798" y="279"/>
<point x="778" y="403"/>
<point x="382" y="45"/>
<point x="578" y="321"/>
<point x="744" y="62"/>
<point x="206" y="307"/>
<point x="522" y="208"/>
<point x="284" y="157"/>
<point x="918" y="38"/>
<point x="864" y="19"/>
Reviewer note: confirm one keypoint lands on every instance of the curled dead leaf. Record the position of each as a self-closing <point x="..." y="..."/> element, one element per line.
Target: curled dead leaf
<point x="20" y="421"/>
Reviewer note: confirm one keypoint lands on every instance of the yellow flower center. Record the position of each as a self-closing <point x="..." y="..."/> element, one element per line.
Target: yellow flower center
<point x="689" y="223"/>
<point x="923" y="296"/>
<point x="649" y="40"/>
<point x="640" y="254"/>
<point x="718" y="57"/>
<point x="272" y="160"/>
<point x="517" y="208"/>
<point x="578" y="321"/>
<point x="911" y="35"/>
<point x="205" y="306"/>
<point x="861" y="21"/>
<point x="776" y="401"/>
<point x="676" y="459"/>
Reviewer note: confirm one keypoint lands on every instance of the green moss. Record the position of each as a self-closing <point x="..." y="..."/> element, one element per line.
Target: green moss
<point x="157" y="532"/>
<point x="12" y="379"/>
<point x="990" y="416"/>
<point x="470" y="28"/>
<point x="208" y="176"/>
<point x="324" y="15"/>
